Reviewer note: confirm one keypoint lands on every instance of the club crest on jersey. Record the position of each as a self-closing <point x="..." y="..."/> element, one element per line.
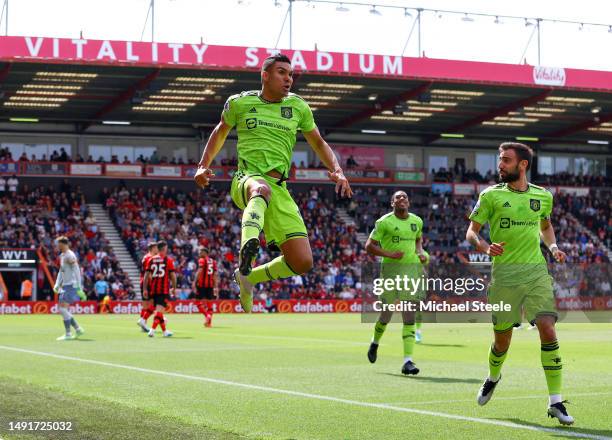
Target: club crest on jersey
<point x="413" y="227"/>
<point x="287" y="112"/>
<point x="534" y="204"/>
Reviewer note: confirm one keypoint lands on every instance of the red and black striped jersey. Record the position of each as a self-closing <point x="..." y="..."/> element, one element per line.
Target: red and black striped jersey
<point x="143" y="267"/>
<point x="160" y="269"/>
<point x="207" y="271"/>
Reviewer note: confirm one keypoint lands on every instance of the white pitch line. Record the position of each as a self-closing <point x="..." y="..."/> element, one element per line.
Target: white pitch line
<point x="562" y="432"/>
<point x="541" y="396"/>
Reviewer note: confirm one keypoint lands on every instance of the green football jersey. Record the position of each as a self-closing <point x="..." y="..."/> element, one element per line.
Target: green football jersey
<point x="267" y="130"/>
<point x="397" y="234"/>
<point x="514" y="218"/>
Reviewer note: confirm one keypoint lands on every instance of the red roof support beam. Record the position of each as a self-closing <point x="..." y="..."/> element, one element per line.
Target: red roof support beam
<point x="377" y="108"/>
<point x="123" y="97"/>
<point x="585" y="125"/>
<point x="493" y="114"/>
<point x="5" y="72"/>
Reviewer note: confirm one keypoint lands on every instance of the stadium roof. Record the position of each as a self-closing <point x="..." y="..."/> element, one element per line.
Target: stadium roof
<point x="155" y="84"/>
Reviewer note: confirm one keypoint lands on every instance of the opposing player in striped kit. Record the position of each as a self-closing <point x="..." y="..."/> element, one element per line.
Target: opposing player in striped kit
<point x="206" y="285"/>
<point x="159" y="273"/>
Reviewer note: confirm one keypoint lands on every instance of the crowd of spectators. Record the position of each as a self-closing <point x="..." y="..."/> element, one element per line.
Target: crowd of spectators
<point x="33" y="217"/>
<point x="190" y="220"/>
<point x="568" y="179"/>
<point x="459" y="174"/>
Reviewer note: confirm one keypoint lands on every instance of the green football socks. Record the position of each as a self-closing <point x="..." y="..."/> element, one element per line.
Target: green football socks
<point x="496" y="360"/>
<point x="553" y="366"/>
<point x="253" y="218"/>
<point x="408" y="331"/>
<point x="379" y="329"/>
<point x="272" y="270"/>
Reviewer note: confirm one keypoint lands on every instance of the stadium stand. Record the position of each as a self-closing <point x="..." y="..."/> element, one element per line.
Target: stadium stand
<point x="186" y="223"/>
<point x="32" y="218"/>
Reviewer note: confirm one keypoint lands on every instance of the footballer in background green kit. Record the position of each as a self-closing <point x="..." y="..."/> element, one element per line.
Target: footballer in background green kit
<point x="398" y="239"/>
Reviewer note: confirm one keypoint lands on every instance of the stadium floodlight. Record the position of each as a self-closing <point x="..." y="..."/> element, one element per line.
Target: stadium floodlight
<point x="23" y="119"/>
<point x="374" y="131"/>
<point x="342" y="8"/>
<point x="467" y="18"/>
<point x="375" y="11"/>
<point x="452" y="135"/>
<point x="372" y="97"/>
<point x="116" y="122"/>
<point x="596" y="109"/>
<point x="527" y="139"/>
<point x="598" y="142"/>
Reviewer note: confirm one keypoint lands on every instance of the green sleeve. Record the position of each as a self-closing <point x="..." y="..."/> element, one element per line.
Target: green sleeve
<point x="307" y="122"/>
<point x="545" y="215"/>
<point x="482" y="210"/>
<point x="420" y="230"/>
<point x="229" y="114"/>
<point x="378" y="232"/>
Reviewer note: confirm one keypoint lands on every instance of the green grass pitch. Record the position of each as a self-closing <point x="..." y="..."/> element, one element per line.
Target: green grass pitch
<point x="291" y="377"/>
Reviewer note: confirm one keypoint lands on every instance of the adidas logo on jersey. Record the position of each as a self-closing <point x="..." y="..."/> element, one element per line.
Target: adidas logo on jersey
<point x="507" y="205"/>
<point x="253" y="110"/>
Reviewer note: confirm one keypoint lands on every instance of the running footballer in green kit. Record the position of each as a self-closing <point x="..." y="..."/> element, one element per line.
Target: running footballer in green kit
<point x="518" y="214"/>
<point x="267" y="122"/>
<point x="398" y="239"/>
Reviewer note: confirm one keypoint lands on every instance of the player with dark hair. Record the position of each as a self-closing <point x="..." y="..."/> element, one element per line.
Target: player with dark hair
<point x="398" y="239"/>
<point x="147" y="303"/>
<point x="206" y="285"/>
<point x="267" y="122"/>
<point x="518" y="214"/>
<point x="158" y="276"/>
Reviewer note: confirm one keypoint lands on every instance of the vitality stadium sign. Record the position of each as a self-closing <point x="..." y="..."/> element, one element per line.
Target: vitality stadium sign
<point x="181" y="55"/>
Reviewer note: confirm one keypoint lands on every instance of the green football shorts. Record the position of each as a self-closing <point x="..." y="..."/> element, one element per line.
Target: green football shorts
<point x="283" y="220"/>
<point x="408" y="291"/>
<point x="535" y="298"/>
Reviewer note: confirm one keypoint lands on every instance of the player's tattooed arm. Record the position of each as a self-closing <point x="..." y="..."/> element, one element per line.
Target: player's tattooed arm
<point x="373" y="248"/>
<point x="480" y="244"/>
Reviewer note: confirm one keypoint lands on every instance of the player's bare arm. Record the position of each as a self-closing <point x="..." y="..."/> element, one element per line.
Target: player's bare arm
<point x="547" y="233"/>
<point x="373" y="248"/>
<point x="473" y="237"/>
<point x="173" y="280"/>
<point x="419" y="249"/>
<point x="212" y="148"/>
<point x="145" y="283"/>
<point x="327" y="156"/>
<point x="195" y="278"/>
<point x="216" y="288"/>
